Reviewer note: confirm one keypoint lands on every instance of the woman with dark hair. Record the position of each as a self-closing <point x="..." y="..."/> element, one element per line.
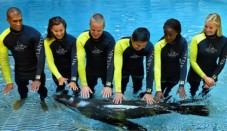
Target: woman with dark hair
<point x="60" y="49"/>
<point x="170" y="61"/>
<point x="209" y="44"/>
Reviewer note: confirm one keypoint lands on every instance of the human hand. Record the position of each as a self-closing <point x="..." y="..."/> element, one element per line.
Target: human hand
<point x="209" y="81"/>
<point x="118" y="98"/>
<point x="62" y="81"/>
<point x="158" y="96"/>
<point x="148" y="98"/>
<point x="85" y="92"/>
<point x="35" y="85"/>
<point x="73" y="86"/>
<point x="181" y="92"/>
<point x="8" y="88"/>
<point x="106" y="92"/>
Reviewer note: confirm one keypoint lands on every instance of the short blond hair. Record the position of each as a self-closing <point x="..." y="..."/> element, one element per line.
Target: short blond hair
<point x="98" y="18"/>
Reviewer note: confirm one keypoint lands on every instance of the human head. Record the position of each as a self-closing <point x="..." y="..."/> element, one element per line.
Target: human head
<point x="56" y="27"/>
<point x="140" y="38"/>
<point x="97" y="24"/>
<point x="213" y="25"/>
<point x="14" y="18"/>
<point x="172" y="28"/>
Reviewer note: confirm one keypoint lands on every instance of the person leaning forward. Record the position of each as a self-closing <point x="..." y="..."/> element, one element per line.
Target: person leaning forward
<point x="128" y="61"/>
<point x="98" y="47"/>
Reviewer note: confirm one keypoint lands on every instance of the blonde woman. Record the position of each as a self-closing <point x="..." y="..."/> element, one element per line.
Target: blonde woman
<point x="207" y="55"/>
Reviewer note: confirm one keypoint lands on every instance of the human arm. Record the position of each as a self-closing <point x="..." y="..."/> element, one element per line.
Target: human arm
<point x="157" y="64"/>
<point x="183" y="68"/>
<point x="107" y="91"/>
<point x="72" y="85"/>
<point x="4" y="59"/>
<point x="149" y="73"/>
<point x="40" y="55"/>
<point x="50" y="58"/>
<point x="221" y="61"/>
<point x="80" y="51"/>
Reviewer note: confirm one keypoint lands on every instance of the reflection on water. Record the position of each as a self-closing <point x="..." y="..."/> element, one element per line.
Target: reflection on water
<point x="122" y="17"/>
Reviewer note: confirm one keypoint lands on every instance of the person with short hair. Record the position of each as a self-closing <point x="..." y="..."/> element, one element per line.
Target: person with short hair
<point x="128" y="61"/>
<point x="26" y="46"/>
<point x="60" y="48"/>
<point x="208" y="52"/>
<point x="170" y="61"/>
<point x="95" y="58"/>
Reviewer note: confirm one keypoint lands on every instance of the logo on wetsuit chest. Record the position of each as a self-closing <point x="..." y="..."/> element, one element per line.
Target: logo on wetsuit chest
<point x="96" y="51"/>
<point x="172" y="54"/>
<point x="134" y="56"/>
<point x="211" y="49"/>
<point x="61" y="51"/>
<point x="19" y="46"/>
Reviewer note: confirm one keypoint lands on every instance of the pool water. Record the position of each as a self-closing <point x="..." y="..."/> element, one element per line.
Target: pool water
<point x="122" y="17"/>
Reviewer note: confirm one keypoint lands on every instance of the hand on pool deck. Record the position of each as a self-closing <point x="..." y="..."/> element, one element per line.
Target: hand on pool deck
<point x="158" y="96"/>
<point x="8" y="88"/>
<point x="62" y="80"/>
<point x="118" y="98"/>
<point x="85" y="92"/>
<point x="35" y="85"/>
<point x="106" y="92"/>
<point x="148" y="98"/>
<point x="181" y="92"/>
<point x="73" y="86"/>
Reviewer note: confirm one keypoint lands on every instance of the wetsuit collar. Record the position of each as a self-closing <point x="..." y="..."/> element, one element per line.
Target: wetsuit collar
<point x="62" y="39"/>
<point x="16" y="32"/>
<point x="95" y="40"/>
<point x="175" y="40"/>
<point x="211" y="36"/>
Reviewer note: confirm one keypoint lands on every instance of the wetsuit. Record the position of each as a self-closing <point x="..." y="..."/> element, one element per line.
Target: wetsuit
<point x="129" y="62"/>
<point x="99" y="59"/>
<point x="27" y="49"/>
<point x="207" y="58"/>
<point x="61" y="59"/>
<point x="170" y="64"/>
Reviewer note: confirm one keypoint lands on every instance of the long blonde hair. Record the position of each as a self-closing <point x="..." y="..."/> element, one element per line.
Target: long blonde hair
<point x="214" y="17"/>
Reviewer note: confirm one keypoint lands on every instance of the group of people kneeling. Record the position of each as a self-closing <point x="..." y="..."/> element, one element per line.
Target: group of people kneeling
<point x="94" y="55"/>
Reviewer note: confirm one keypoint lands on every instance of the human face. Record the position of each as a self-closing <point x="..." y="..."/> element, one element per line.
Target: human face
<point x="139" y="45"/>
<point x="210" y="28"/>
<point x="15" y="21"/>
<point x="96" y="29"/>
<point x="58" y="31"/>
<point x="170" y="34"/>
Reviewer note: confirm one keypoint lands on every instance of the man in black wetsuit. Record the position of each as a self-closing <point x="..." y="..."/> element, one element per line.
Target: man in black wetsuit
<point x="95" y="48"/>
<point x="26" y="46"/>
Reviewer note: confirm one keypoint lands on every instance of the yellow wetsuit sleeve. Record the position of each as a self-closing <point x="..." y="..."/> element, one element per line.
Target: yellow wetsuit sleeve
<point x="81" y="41"/>
<point x="4" y="60"/>
<point x="193" y="54"/>
<point x="157" y="63"/>
<point x="120" y="47"/>
<point x="50" y="58"/>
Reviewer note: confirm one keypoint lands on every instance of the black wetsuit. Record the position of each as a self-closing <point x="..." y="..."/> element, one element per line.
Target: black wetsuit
<point x="99" y="59"/>
<point x="27" y="49"/>
<point x="170" y="64"/>
<point x="207" y="58"/>
<point x="130" y="62"/>
<point x="61" y="59"/>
